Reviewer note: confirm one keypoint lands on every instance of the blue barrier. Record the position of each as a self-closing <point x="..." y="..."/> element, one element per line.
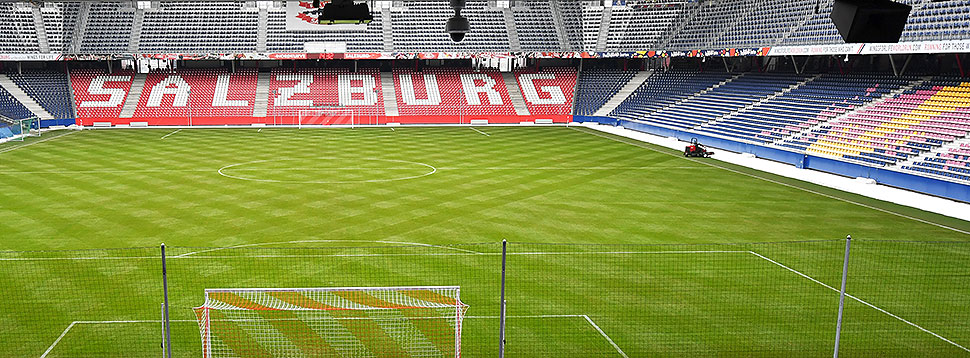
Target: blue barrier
<point x="894" y="178"/>
<point x="45" y="123"/>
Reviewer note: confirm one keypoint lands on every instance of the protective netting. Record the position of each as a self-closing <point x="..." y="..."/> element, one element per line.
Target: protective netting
<point x="314" y="322"/>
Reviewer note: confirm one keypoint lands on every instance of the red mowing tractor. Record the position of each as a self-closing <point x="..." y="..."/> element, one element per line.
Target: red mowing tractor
<point x="696" y="149"/>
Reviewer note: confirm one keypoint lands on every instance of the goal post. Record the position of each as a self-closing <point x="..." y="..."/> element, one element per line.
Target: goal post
<point x="419" y="321"/>
<point x="31" y="126"/>
<point x="326" y="117"/>
<point x="18" y="129"/>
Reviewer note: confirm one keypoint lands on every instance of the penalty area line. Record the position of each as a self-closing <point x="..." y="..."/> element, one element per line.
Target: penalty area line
<point x="166" y="136"/>
<point x="153" y="321"/>
<point x="480" y="132"/>
<point x="58" y="340"/>
<point x="860" y="301"/>
<point x="608" y="339"/>
<point x="287" y="319"/>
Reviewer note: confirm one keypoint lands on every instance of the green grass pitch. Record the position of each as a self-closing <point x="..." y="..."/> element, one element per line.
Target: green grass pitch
<point x="616" y="248"/>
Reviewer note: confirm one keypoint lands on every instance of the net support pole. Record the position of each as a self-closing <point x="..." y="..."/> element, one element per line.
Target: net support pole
<point x="845" y="271"/>
<point x="501" y="314"/>
<point x="168" y="326"/>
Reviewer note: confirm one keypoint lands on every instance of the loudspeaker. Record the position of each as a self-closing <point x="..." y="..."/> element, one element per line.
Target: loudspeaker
<point x="869" y="20"/>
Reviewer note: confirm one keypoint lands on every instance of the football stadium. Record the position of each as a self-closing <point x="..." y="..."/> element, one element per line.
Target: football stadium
<point x="485" y="178"/>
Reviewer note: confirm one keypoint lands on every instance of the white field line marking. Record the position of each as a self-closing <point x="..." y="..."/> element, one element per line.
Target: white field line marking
<point x="629" y="252"/>
<point x="859" y="300"/>
<point x="103" y="171"/>
<point x="58" y="340"/>
<point x="608" y="339"/>
<point x="316" y="169"/>
<point x="77" y="258"/>
<point x="433" y="254"/>
<point x="109" y="171"/>
<point x="317" y="241"/>
<point x="574" y="168"/>
<point x="281" y="319"/>
<point x="40" y="141"/>
<point x="166" y="136"/>
<point x="195" y="255"/>
<point x="636" y="144"/>
<point x="483" y="133"/>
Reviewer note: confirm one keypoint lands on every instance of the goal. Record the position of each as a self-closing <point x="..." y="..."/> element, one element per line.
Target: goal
<point x="316" y="322"/>
<point x="326" y="117"/>
<point x="18" y="129"/>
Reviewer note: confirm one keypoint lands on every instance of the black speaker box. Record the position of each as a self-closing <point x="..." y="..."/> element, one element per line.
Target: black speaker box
<point x="880" y="21"/>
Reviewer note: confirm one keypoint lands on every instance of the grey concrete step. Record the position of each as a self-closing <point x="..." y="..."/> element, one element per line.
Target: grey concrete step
<point x="134" y="95"/>
<point x="518" y="102"/>
<point x="262" y="94"/>
<point x="390" y="94"/>
<point x="23" y="98"/>
<point x="623" y="93"/>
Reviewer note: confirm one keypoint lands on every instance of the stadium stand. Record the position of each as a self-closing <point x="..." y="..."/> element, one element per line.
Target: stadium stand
<point x="229" y="26"/>
<point x="819" y="100"/>
<point x="571" y="13"/>
<point x="665" y="89"/>
<point x="939" y="20"/>
<point x="641" y="25"/>
<point x="60" y="24"/>
<point x="765" y="22"/>
<point x="17" y="31"/>
<point x="108" y="27"/>
<point x="217" y="97"/>
<point x="720" y="100"/>
<point x="99" y="95"/>
<point x="199" y="27"/>
<point x="198" y="97"/>
<point x="592" y="18"/>
<point x="595" y="87"/>
<point x="532" y="24"/>
<point x="710" y="21"/>
<point x="293" y="91"/>
<point x="417" y="27"/>
<point x="951" y="164"/>
<point x="440" y="93"/>
<point x="10" y="107"/>
<point x="898" y="128"/>
<point x="548" y="92"/>
<point x="49" y="89"/>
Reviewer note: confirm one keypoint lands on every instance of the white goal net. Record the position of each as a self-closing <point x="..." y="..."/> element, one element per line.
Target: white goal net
<point x="332" y="322"/>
